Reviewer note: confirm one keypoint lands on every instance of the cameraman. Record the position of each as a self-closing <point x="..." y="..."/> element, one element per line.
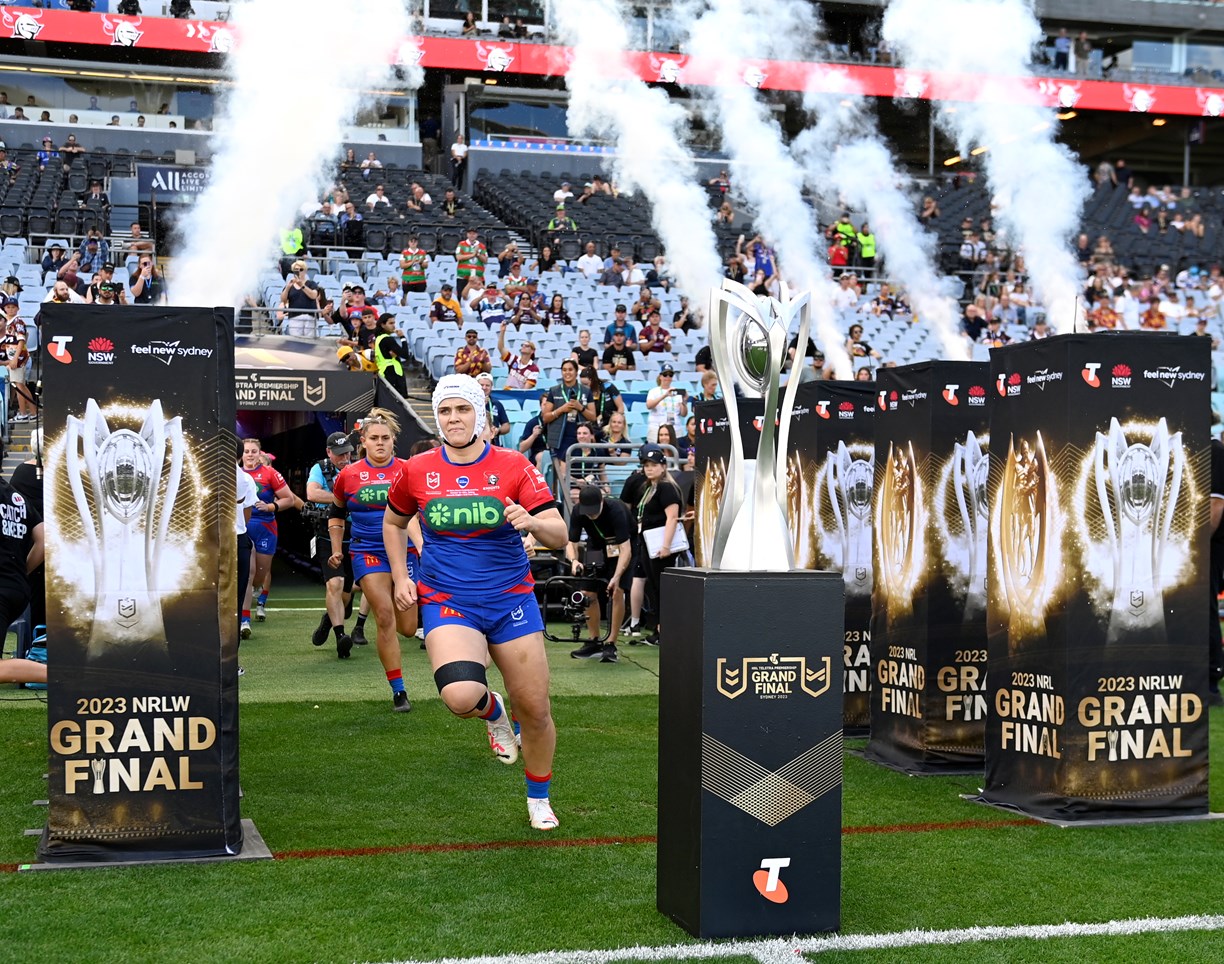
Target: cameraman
<point x="609" y="538"/>
<point x="338" y="581"/>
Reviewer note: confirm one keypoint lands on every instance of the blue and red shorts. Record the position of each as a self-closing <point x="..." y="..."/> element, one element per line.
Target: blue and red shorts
<point x="263" y="537"/>
<point x="374" y="559"/>
<point x="508" y="616"/>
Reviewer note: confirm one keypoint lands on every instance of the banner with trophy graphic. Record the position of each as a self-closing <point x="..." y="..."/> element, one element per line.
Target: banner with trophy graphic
<point x="837" y="496"/>
<point x="710" y="467"/>
<point x="139" y="506"/>
<point x="1098" y="598"/>
<point x="928" y="634"/>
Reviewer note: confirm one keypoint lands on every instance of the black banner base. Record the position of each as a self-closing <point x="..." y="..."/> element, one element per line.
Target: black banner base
<point x="1093" y="821"/>
<point x="253" y="848"/>
<point x="750" y="752"/>
<point x="913" y="768"/>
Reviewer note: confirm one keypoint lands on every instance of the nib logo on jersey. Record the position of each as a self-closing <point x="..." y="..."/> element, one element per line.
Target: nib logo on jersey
<point x="464" y="513"/>
<point x="977" y="395"/>
<point x="1008" y="385"/>
<point x="101" y="352"/>
<point x="166" y="351"/>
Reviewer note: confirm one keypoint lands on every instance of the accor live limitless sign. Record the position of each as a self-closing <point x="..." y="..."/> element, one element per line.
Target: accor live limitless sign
<point x="169" y="182"/>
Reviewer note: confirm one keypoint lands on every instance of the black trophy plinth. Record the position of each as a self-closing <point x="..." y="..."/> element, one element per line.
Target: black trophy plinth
<point x="750" y="752"/>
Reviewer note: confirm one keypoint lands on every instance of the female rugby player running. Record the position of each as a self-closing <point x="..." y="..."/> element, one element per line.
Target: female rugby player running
<point x="361" y="493"/>
<point x="475" y="585"/>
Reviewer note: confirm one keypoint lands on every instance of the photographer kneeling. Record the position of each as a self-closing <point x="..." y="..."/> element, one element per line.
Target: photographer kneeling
<point x="609" y="534"/>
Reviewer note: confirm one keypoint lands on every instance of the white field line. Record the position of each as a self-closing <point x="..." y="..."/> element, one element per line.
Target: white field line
<point x="776" y="951"/>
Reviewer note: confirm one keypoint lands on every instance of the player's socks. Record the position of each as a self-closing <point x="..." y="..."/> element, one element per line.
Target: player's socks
<point x="338" y="630"/>
<point x="537" y="787"/>
<point x="246" y="615"/>
<point x="518" y="730"/>
<point x="263" y="598"/>
<point x="361" y="618"/>
<point x="396" y="678"/>
<point x="492" y="713"/>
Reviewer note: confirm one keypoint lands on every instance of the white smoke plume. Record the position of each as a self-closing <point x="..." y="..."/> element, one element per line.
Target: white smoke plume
<point x="1037" y="183"/>
<point x="608" y="100"/>
<point x="278" y="131"/>
<point x="762" y="170"/>
<point x="844" y="155"/>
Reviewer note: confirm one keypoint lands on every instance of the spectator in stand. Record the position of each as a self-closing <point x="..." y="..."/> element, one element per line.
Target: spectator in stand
<point x="856" y="347"/>
<point x="583" y="353"/>
<point x="562" y="194"/>
<point x="16" y="359"/>
<point x="470" y="28"/>
<point x="1153" y="319"/>
<point x="451" y="204"/>
<point x="929" y="210"/>
<point x="684" y="319"/>
<point x="367" y="332"/>
<point x="620" y="323"/>
<point x="497" y="422"/>
<point x="54" y="260"/>
<point x="710" y="391"/>
<point x="471" y="256"/>
<point x="514" y="282"/>
<point x="722" y="182"/>
<point x="419" y="200"/>
<point x="703" y="361"/>
<point x="972" y="253"/>
<point x="1062" y="50"/>
<point x="390" y="297"/>
<point x="1083" y="53"/>
<point x="1143" y="220"/>
<point x="556" y="313"/>
<point x="108" y="293"/>
<point x="458" y="158"/>
<point x="838" y="255"/>
<point x="864" y="374"/>
<point x="561" y="223"/>
<point x="7" y="167"/>
<point x="299" y="302"/>
<point x="654" y="337"/>
<point x="646" y="302"/>
<point x="149" y="285"/>
<point x="618" y="356"/>
<point x="632" y="273"/>
<point x="105" y="275"/>
<point x="814" y="372"/>
<point x="994" y="336"/>
<point x="471" y="358"/>
<point x="48" y="155"/>
<point x="491" y="306"/>
<point x="1040" y="330"/>
<point x="446" y="309"/>
<point x="61" y="294"/>
<point x="1005" y="311"/>
<point x="865" y="241"/>
<point x="525" y="313"/>
<point x="618" y="434"/>
<point x="413" y="263"/>
<point x="370" y="165"/>
<point x="659" y="273"/>
<point x="606" y="396"/>
<point x="524" y="372"/>
<point x="613" y="276"/>
<point x="846" y="296"/>
<point x="547" y="261"/>
<point x="95" y="251"/>
<point x="1102" y="315"/>
<point x="972" y="322"/>
<point x="590" y="264"/>
<point x="725" y="214"/>
<point x="562" y="409"/>
<point x="665" y="404"/>
<point x="390" y="352"/>
<point x="736" y="270"/>
<point x="378" y="197"/>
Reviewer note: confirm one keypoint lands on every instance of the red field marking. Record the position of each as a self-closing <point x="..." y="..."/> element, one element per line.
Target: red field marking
<point x="443" y="848"/>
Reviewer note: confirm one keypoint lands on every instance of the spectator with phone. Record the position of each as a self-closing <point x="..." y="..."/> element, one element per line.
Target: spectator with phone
<point x="149" y="286"/>
<point x="666" y="405"/>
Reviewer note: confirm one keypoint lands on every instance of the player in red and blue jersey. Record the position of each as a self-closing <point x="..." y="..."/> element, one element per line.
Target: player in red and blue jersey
<point x="473" y="502"/>
<point x="274" y="496"/>
<point x="361" y="496"/>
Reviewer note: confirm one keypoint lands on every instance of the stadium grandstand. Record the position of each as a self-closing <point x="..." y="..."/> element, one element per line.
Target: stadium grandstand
<point x="116" y="105"/>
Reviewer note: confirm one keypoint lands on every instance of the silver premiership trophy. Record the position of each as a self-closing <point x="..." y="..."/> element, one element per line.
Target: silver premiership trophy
<point x="848" y="484"/>
<point x="125" y="516"/>
<point x="1138" y="487"/>
<point x="970" y="467"/>
<point x="748" y="342"/>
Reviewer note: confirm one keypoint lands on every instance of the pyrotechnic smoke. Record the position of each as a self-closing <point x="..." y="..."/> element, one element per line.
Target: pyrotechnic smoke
<point x="279" y="129"/>
<point x="608" y="100"/>
<point x="844" y="155"/>
<point x="1037" y="184"/>
<point x="763" y="171"/>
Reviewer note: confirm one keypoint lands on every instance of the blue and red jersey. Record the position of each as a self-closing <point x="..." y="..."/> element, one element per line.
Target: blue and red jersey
<point x="470" y="550"/>
<point x="361" y="491"/>
<point x="268" y="482"/>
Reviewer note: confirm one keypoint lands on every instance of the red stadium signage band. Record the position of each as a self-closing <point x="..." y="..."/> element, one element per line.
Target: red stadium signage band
<point x="546" y="60"/>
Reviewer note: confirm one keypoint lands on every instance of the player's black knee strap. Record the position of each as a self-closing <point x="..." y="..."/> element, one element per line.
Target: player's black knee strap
<point x="460" y="671"/>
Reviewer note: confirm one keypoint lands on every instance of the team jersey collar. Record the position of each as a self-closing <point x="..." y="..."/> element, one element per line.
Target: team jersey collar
<point x="366" y="460"/>
<point x="475" y="461"/>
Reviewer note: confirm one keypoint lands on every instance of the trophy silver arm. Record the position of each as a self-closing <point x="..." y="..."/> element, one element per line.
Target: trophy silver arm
<point x="801" y="306"/>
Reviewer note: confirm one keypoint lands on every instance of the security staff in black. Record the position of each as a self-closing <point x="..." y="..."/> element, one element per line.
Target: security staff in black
<point x="608" y="530"/>
<point x="339" y="582"/>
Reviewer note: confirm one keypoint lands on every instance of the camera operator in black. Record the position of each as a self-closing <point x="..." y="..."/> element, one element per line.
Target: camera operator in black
<point x="339" y="582"/>
<point x="608" y="528"/>
<point x="659" y="505"/>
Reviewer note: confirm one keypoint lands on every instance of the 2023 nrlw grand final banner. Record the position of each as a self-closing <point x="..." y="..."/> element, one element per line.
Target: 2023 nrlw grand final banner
<point x="828" y="494"/>
<point x="1098" y="603"/>
<point x="928" y="634"/>
<point x="142" y="629"/>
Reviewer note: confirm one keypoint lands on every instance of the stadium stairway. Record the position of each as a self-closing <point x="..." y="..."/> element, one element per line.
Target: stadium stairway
<point x="18" y="448"/>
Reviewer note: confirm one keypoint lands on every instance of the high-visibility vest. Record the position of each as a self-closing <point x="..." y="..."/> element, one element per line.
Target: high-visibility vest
<point x="291" y="240"/>
<point x="384" y="362"/>
<point x="867" y="245"/>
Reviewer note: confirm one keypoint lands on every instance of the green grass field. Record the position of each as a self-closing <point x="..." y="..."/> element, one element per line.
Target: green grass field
<point x="364" y="808"/>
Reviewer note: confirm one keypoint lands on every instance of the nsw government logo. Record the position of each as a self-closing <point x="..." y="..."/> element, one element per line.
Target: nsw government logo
<point x="977" y="395"/>
<point x="101" y="352"/>
<point x="1120" y="377"/>
<point x="773" y="677"/>
<point x="1008" y="385"/>
<point x="845" y="410"/>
